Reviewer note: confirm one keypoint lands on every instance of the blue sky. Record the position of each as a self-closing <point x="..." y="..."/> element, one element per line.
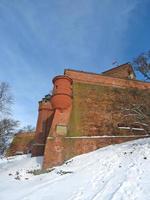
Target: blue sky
<point x="39" y="38"/>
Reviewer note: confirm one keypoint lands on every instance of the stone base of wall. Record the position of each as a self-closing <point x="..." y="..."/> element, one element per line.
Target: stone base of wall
<point x="60" y="149"/>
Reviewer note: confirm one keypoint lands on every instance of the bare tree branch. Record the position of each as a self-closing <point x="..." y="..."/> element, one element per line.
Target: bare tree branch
<point x="7" y="125"/>
<point x="6" y="98"/>
<point x="142" y="64"/>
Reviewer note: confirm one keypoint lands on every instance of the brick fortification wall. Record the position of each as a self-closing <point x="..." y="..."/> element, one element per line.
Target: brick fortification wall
<point x="87" y="111"/>
<point x="98" y="79"/>
<point x="21" y="144"/>
<point x="105" y="110"/>
<point x="124" y="71"/>
<point x="100" y="110"/>
<point x="60" y="149"/>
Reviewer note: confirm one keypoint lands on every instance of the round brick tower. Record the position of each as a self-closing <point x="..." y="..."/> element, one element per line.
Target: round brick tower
<point x="45" y="111"/>
<point x="43" y="125"/>
<point x="62" y="93"/>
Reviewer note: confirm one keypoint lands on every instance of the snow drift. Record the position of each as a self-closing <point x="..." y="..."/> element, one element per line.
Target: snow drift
<point x="117" y="172"/>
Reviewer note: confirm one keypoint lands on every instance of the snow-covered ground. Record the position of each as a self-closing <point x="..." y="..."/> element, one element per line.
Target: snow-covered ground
<point x="118" y="172"/>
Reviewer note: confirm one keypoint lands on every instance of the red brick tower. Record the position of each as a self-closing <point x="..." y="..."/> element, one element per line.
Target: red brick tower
<point x="43" y="125"/>
<point x="62" y="93"/>
<point x="61" y="102"/>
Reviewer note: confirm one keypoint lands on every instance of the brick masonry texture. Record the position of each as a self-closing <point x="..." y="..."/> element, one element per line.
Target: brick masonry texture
<point x="61" y="149"/>
<point x="87" y="111"/>
<point x="98" y="110"/>
<point x="123" y="71"/>
<point x="22" y="143"/>
<point x="97" y="79"/>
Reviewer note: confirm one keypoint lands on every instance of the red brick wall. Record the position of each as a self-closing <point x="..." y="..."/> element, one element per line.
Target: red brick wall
<point x="54" y="152"/>
<point x="44" y="121"/>
<point x="97" y="79"/>
<point x="122" y="71"/>
<point x="22" y="142"/>
<point x="98" y="110"/>
<point x="61" y="117"/>
<point x="61" y="149"/>
<point x="53" y="149"/>
<point x="62" y="85"/>
<point x="62" y="92"/>
<point x="54" y="112"/>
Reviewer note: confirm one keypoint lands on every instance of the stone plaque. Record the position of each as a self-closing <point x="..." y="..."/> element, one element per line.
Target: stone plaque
<point x="61" y="129"/>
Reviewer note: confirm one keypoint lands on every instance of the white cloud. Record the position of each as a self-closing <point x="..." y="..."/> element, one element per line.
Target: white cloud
<point x="39" y="38"/>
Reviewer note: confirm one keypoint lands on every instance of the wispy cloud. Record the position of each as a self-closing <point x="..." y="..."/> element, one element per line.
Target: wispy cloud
<point x="39" y="38"/>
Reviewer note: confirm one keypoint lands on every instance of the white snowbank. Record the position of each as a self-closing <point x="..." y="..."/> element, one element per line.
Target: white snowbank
<point x="118" y="172"/>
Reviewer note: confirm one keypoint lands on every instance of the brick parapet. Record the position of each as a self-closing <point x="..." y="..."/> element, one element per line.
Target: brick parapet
<point x="98" y="79"/>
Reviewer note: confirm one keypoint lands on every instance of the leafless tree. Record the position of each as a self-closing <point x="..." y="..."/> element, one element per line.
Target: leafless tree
<point x="7" y="129"/>
<point x="135" y="115"/>
<point x="6" y="98"/>
<point x="142" y="64"/>
<point x="7" y="125"/>
<point x="28" y="128"/>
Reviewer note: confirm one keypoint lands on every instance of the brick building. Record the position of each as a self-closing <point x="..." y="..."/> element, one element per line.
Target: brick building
<point x="87" y="111"/>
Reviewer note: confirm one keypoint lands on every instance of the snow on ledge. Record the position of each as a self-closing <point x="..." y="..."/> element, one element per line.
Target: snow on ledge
<point x="104" y="136"/>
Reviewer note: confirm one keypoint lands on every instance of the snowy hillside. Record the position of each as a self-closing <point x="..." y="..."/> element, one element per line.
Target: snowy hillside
<point x="118" y="172"/>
